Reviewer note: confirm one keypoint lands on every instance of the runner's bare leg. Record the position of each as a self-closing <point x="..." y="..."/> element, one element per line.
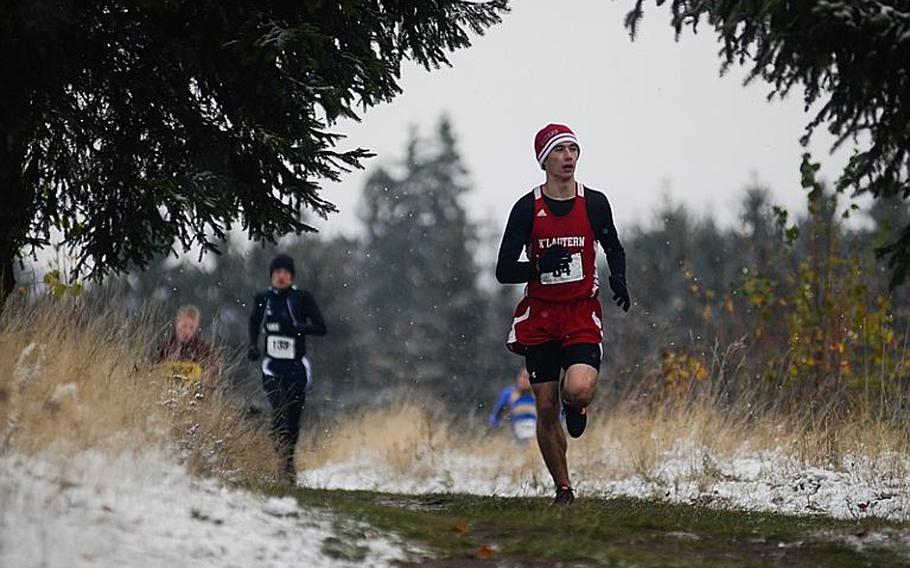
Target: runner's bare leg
<point x="550" y="437"/>
<point x="579" y="385"/>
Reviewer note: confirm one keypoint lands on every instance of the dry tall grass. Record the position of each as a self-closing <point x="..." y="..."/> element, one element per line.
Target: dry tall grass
<point x="75" y="375"/>
<point x="414" y="438"/>
<point x="629" y="435"/>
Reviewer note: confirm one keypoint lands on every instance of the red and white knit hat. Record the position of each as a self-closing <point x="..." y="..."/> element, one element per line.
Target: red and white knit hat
<point x="549" y="137"/>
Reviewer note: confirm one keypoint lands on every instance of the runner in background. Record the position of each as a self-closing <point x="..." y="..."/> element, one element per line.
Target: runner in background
<point x="185" y="358"/>
<point x="288" y="316"/>
<point x="517" y="402"/>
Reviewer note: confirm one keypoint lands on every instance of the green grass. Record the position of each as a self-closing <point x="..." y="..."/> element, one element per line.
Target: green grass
<point x="460" y="530"/>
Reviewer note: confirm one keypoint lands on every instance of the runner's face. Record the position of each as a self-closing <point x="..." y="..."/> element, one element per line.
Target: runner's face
<point x="186" y="328"/>
<point x="281" y="279"/>
<point x="561" y="161"/>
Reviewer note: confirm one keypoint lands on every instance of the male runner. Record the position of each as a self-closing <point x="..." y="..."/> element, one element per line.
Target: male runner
<point x="288" y="316"/>
<point x="557" y="325"/>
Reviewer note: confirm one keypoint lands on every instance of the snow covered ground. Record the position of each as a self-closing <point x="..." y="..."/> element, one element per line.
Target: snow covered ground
<point x="146" y="511"/>
<point x="759" y="481"/>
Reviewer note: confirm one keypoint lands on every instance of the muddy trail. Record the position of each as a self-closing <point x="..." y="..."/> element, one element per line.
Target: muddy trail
<point x="466" y="530"/>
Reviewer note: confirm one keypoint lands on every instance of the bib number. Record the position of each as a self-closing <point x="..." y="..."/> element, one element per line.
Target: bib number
<point x="279" y="347"/>
<point x="524" y="430"/>
<point x="189" y="371"/>
<point x="574" y="273"/>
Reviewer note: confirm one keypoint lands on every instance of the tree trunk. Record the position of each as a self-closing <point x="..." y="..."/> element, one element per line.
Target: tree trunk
<point x="19" y="198"/>
<point x="14" y="221"/>
<point x="7" y="281"/>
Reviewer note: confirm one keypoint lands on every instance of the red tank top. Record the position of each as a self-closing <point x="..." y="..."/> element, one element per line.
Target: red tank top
<point x="572" y="231"/>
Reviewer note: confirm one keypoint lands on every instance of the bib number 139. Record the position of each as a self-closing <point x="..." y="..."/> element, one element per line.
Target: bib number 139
<point x="280" y="347"/>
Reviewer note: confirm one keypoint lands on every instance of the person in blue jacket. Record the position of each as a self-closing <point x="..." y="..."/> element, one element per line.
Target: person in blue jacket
<point x="288" y="316"/>
<point x="517" y="401"/>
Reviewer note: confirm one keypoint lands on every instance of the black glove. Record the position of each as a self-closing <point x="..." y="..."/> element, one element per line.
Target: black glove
<point x="253" y="353"/>
<point x="620" y="293"/>
<point x="555" y="259"/>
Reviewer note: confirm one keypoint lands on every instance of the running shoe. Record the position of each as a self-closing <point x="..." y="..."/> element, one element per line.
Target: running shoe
<point x="576" y="420"/>
<point x="564" y="495"/>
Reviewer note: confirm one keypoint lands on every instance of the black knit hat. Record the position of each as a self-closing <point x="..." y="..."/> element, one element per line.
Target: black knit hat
<point x="282" y="261"/>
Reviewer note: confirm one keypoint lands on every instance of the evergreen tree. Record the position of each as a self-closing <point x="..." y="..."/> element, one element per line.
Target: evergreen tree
<point x="128" y="127"/>
<point x="424" y="307"/>
<point x="850" y="57"/>
<point x="758" y="227"/>
<point x="495" y="365"/>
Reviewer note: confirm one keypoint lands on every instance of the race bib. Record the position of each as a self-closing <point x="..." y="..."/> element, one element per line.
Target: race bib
<point x="574" y="273"/>
<point x="279" y="347"/>
<point x="184" y="370"/>
<point x="524" y="429"/>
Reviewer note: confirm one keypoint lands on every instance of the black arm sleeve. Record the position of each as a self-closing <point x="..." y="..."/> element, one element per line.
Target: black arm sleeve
<point x="601" y="217"/>
<point x="256" y="315"/>
<point x="510" y="270"/>
<point x="311" y="322"/>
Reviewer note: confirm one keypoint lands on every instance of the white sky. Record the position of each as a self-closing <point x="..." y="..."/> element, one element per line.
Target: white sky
<point x="653" y="116"/>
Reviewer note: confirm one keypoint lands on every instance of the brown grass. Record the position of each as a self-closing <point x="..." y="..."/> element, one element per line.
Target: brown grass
<point x="625" y="438"/>
<point x="75" y="375"/>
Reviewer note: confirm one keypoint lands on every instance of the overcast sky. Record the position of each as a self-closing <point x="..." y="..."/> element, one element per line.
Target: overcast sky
<point x="653" y="116"/>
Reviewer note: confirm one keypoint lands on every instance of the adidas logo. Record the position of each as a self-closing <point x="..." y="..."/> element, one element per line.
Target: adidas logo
<point x="542" y="213"/>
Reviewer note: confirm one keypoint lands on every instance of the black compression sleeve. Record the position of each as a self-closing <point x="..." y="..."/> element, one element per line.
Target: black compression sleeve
<point x="510" y="270"/>
<point x="601" y="217"/>
<point x="256" y="318"/>
<point x="314" y="324"/>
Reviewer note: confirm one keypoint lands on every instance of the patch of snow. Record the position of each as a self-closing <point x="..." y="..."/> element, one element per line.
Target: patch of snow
<point x="750" y="480"/>
<point x="30" y="362"/>
<point x="146" y="511"/>
<point x="63" y="392"/>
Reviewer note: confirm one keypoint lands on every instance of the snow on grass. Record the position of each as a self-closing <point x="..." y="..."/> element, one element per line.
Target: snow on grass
<point x="751" y="480"/>
<point x="146" y="511"/>
<point x="768" y="481"/>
